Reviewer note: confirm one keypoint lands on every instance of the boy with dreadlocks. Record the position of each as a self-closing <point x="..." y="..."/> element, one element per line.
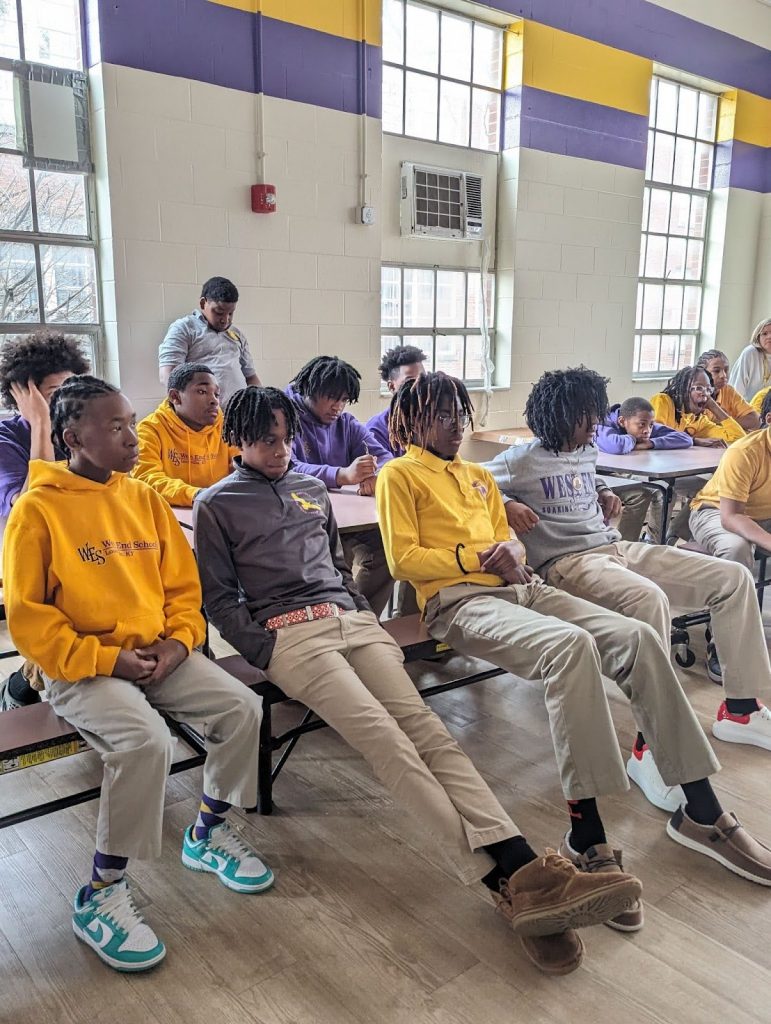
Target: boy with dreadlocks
<point x="181" y="449"/>
<point x="574" y="549"/>
<point x="445" y="529"/>
<point x="106" y="599"/>
<point x="726" y="396"/>
<point x="302" y="620"/>
<point x="334" y="447"/>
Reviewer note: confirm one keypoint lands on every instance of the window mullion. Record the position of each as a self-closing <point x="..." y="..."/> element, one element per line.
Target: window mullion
<point x="20" y="26"/>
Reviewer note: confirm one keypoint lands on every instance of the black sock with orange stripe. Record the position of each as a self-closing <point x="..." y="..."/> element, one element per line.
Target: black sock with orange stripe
<point x="586" y="827"/>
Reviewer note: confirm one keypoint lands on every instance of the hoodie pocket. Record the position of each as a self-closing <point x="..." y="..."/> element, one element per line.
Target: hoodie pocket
<point x="136" y="631"/>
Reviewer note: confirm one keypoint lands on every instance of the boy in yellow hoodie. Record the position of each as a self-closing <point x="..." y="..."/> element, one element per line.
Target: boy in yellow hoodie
<point x="181" y="450"/>
<point x="103" y="594"/>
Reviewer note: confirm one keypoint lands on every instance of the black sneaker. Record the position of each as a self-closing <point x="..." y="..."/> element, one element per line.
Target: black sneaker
<point x="714" y="671"/>
<point x="17" y="682"/>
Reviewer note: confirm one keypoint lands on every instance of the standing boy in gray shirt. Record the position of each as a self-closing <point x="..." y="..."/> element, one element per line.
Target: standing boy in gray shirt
<point x="207" y="336"/>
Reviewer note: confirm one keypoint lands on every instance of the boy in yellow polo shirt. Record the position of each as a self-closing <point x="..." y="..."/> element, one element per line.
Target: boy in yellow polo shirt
<point x="687" y="403"/>
<point x="728" y="398"/>
<point x="181" y="449"/>
<point x="445" y="531"/>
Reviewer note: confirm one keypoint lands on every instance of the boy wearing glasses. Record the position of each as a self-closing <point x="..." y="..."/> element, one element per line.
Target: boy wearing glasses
<point x="684" y="404"/>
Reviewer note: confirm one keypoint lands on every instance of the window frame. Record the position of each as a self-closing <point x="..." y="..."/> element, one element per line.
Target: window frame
<point x="432" y="333"/>
<point x="651" y="184"/>
<point x="89" y="332"/>
<point x="405" y="68"/>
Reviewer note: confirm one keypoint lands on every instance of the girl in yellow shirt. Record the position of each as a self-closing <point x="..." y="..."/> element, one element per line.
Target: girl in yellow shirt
<point x="687" y="403"/>
<point x="727" y="397"/>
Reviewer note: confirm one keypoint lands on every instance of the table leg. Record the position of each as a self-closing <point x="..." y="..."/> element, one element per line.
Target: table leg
<point x="666" y="502"/>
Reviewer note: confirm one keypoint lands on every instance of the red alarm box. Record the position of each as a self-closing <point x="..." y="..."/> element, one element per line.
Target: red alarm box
<point x="263" y="198"/>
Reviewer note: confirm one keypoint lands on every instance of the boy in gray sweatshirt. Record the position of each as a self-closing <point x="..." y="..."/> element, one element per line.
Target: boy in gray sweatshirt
<point x="572" y="547"/>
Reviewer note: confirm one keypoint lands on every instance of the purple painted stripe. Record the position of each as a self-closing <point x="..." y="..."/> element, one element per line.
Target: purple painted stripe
<point x="219" y="45"/>
<point x="656" y="33"/>
<point x="742" y="165"/>
<point x="560" y="124"/>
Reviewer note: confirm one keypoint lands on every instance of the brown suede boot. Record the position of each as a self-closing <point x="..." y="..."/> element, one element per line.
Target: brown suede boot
<point x="549" y="895"/>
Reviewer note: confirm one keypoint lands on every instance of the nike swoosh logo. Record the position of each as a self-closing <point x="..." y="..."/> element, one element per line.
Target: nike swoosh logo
<point x="220" y="863"/>
<point x="99" y="933"/>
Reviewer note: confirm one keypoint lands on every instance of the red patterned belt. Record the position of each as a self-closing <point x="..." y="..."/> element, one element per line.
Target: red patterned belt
<point x="327" y="610"/>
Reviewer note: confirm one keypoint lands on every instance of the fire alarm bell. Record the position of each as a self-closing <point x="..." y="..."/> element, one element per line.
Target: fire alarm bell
<point x="263" y="198"/>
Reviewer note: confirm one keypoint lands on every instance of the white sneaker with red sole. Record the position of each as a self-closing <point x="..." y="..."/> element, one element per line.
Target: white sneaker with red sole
<point x="753" y="729"/>
<point x="642" y="770"/>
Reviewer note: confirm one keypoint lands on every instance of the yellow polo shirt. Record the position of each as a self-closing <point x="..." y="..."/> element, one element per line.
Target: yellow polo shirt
<point x="697" y="426"/>
<point x="426" y="507"/>
<point x="757" y="400"/>
<point x="744" y="474"/>
<point x="731" y="402"/>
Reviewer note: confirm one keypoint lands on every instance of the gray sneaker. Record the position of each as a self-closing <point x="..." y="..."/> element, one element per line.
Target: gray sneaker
<point x="727" y="842"/>
<point x="7" y="701"/>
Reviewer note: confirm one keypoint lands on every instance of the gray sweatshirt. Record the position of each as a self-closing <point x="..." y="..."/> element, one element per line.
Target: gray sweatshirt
<point x="266" y="547"/>
<point x="562" y="490"/>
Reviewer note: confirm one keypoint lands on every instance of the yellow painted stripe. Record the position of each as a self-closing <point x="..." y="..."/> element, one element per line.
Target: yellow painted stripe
<point x="726" y="116"/>
<point x="753" y="119"/>
<point x="570" y="65"/>
<point x="513" y="47"/>
<point x="351" y="19"/>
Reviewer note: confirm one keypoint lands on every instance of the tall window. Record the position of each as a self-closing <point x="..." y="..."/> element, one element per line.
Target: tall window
<point x="678" y="179"/>
<point x="441" y="76"/>
<point x="440" y="311"/>
<point x="48" y="273"/>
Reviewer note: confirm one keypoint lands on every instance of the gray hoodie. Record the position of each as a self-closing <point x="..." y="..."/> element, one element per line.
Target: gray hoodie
<point x="562" y="490"/>
<point x="264" y="548"/>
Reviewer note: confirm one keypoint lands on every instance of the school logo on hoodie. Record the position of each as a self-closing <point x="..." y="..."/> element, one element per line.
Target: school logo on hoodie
<point x="304" y="501"/>
<point x="98" y="555"/>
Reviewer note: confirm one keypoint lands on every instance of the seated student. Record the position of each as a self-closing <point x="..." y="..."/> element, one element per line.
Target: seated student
<point x="303" y="621"/>
<point x="207" y="335"/>
<point x="106" y="599"/>
<point x="687" y="404"/>
<point x="631" y="427"/>
<point x="573" y="548"/>
<point x="752" y="370"/>
<point x="335" y="448"/>
<point x="181" y="450"/>
<point x="727" y="397"/>
<point x="30" y="371"/>
<point x="444" y="528"/>
<point x="403" y="362"/>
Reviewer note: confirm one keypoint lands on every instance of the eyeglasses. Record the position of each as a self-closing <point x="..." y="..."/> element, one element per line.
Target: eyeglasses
<point x="448" y="422"/>
<point x="703" y="389"/>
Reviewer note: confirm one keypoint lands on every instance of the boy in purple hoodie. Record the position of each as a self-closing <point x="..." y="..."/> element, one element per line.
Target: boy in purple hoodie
<point x="30" y="371"/>
<point x="631" y="427"/>
<point x="403" y="362"/>
<point x="335" y="448"/>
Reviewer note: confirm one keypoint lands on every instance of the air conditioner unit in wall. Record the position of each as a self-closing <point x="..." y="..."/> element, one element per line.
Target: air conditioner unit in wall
<point x="440" y="203"/>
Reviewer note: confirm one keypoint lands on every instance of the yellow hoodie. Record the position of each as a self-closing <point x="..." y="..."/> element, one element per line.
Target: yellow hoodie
<point x="93" y="569"/>
<point x="177" y="461"/>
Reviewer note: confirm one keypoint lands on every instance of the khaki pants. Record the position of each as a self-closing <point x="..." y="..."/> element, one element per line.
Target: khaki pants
<point x="640" y="504"/>
<point x="708" y="531"/>
<point x="640" y="581"/>
<point x="537" y="632"/>
<point x="365" y="555"/>
<point x="122" y="722"/>
<point x="351" y="673"/>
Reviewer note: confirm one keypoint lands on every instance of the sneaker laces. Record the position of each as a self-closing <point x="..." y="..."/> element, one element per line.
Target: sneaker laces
<point x="119" y="908"/>
<point x="230" y="842"/>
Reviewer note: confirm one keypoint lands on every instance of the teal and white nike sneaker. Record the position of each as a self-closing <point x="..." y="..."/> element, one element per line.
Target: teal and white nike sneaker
<point x="113" y="927"/>
<point x="226" y="855"/>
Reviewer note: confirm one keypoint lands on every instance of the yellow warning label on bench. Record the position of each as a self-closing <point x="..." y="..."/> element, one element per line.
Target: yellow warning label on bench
<point x="35" y="757"/>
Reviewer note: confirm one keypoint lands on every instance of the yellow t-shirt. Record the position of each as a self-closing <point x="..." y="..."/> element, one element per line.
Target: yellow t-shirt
<point x="731" y="402"/>
<point x="744" y="474"/>
<point x="697" y="426"/>
<point x="757" y="399"/>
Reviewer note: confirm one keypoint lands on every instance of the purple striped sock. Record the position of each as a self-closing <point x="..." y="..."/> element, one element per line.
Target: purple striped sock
<point x="107" y="870"/>
<point x="210" y="813"/>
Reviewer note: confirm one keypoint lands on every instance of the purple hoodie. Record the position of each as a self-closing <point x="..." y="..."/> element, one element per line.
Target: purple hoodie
<point x="612" y="439"/>
<point x="323" y="449"/>
<point x="378" y="427"/>
<point x="15" y="446"/>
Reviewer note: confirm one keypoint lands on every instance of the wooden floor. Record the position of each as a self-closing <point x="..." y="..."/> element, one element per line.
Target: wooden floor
<point x="365" y="923"/>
